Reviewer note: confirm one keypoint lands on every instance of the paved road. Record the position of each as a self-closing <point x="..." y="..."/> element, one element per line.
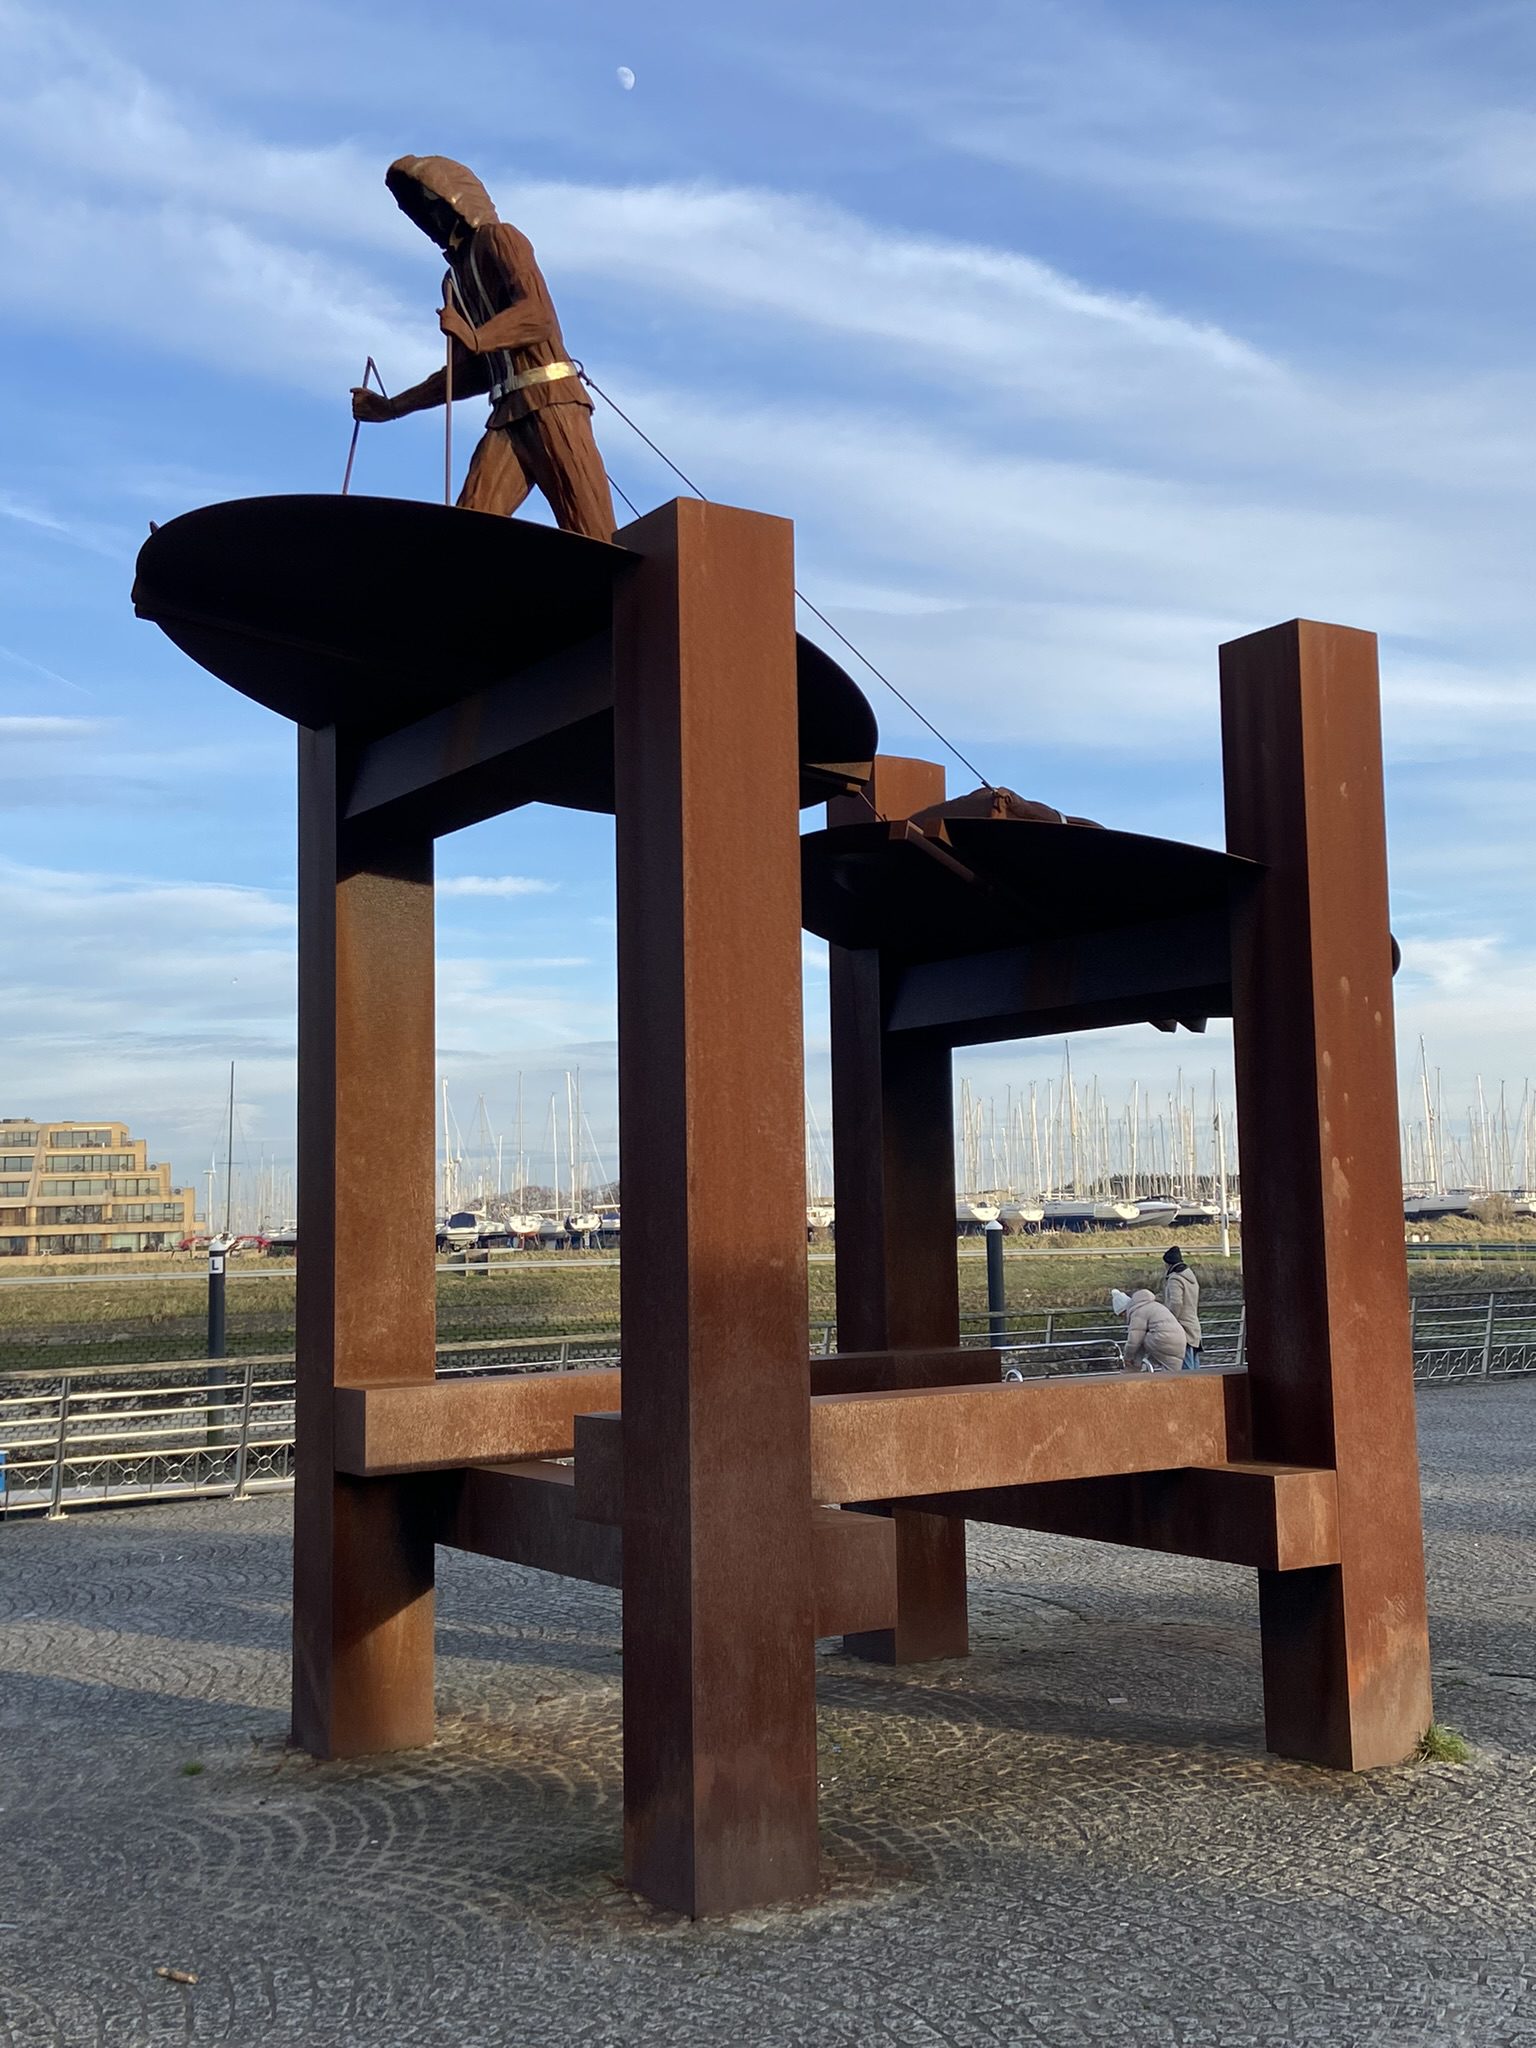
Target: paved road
<point x="1072" y="1838"/>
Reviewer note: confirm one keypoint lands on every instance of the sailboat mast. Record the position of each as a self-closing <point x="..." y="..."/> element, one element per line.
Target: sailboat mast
<point x="1221" y="1175"/>
<point x="229" y="1154"/>
<point x="1431" y="1134"/>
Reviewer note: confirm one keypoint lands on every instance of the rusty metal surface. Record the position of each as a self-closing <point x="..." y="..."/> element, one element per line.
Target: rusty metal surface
<point x="865" y="1372"/>
<point x="498" y="748"/>
<point x="433" y="1425"/>
<point x="1081" y="878"/>
<point x="1329" y="1351"/>
<point x="426" y="1427"/>
<point x="894" y="1168"/>
<point x="376" y="613"/>
<point x="853" y="1563"/>
<point x="1173" y="966"/>
<point x="917" y="1443"/>
<point x="1002" y="881"/>
<point x="368" y="612"/>
<point x="599" y="1469"/>
<point x="363" y="1564"/>
<point x="525" y="1513"/>
<point x="891" y="1446"/>
<point x="870" y="884"/>
<point x="719" y="1724"/>
<point x="1280" y="1518"/>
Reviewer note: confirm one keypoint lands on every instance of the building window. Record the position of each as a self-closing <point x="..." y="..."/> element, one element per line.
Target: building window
<point x="102" y="1162"/>
<point x="96" y="1140"/>
<point x="65" y="1247"/>
<point x="13" y="1190"/>
<point x="12" y="1218"/>
<point x="13" y="1247"/>
<point x="74" y="1187"/>
<point x="137" y="1184"/>
<point x="10" y="1135"/>
<point x="15" y="1162"/>
<point x="78" y="1212"/>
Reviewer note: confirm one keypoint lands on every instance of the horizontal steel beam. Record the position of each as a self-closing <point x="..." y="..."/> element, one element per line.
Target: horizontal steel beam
<point x="492" y="750"/>
<point x="1172" y="967"/>
<point x="896" y="1445"/>
<point x="525" y="1514"/>
<point x="1281" y="1518"/>
<point x="902" y="1444"/>
<point x="522" y="1514"/>
<point x="870" y="1372"/>
<point x="434" y="1424"/>
<point x="430" y="1425"/>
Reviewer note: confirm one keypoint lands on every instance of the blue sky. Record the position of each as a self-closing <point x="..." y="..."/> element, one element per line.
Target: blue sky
<point x="1075" y="338"/>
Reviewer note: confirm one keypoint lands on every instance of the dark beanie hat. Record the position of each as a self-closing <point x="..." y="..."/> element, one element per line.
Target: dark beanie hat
<point x="1173" y="1256"/>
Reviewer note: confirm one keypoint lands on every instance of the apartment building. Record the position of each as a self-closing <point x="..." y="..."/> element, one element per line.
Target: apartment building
<point x="69" y="1189"/>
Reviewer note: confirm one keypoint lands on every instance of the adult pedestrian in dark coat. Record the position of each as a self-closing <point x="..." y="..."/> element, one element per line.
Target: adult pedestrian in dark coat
<point x="1181" y="1293"/>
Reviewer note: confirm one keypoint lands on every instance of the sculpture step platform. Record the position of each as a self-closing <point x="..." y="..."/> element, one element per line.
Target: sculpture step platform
<point x="380" y="615"/>
<point x="1004" y="881"/>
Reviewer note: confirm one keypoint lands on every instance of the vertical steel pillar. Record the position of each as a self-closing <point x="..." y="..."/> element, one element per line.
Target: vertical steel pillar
<point x="1330" y="1361"/>
<point x="719" y="1621"/>
<point x="362" y="1549"/>
<point x="893" y="1151"/>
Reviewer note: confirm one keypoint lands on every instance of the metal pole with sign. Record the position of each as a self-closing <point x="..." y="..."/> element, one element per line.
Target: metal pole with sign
<point x="217" y="1377"/>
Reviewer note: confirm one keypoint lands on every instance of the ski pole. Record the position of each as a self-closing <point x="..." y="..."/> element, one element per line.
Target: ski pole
<point x="369" y="366"/>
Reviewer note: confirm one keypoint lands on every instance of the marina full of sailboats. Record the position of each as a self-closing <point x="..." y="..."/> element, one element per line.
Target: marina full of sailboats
<point x="488" y="1199"/>
<point x="1055" y="1155"/>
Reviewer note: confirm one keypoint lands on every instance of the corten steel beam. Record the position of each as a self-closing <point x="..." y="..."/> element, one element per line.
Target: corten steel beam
<point x="893" y="1151"/>
<point x="427" y="1426"/>
<point x="869" y="1372"/>
<point x="719" y="1705"/>
<point x="505" y="745"/>
<point x="1346" y="1654"/>
<point x="430" y="1426"/>
<point x="362" y="1555"/>
<point x="955" y="1441"/>
<point x="1280" y="1518"/>
<point x="1168" y="967"/>
<point x="525" y="1514"/>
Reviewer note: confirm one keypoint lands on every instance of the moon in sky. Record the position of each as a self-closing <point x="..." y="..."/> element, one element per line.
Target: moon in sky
<point x="626" y="78"/>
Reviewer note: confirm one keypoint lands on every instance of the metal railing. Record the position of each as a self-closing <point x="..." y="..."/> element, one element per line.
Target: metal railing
<point x="171" y="1430"/>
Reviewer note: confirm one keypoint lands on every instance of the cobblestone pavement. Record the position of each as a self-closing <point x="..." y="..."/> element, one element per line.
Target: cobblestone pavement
<point x="1074" y="1837"/>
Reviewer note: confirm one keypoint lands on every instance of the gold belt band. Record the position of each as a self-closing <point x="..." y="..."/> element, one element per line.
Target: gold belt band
<point x="545" y="373"/>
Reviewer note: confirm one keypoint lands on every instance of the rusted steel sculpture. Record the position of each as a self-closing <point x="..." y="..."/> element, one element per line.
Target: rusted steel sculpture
<point x="504" y="341"/>
<point x="713" y="1480"/>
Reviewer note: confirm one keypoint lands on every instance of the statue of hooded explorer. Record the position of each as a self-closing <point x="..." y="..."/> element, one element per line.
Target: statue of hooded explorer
<point x="506" y="343"/>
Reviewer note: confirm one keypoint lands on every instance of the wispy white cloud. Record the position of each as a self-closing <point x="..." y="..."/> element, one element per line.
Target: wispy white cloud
<point x="29" y="515"/>
<point x="1386" y="120"/>
<point x="948" y="308"/>
<point x="494" y="885"/>
<point x="18" y="727"/>
<point x="37" y="668"/>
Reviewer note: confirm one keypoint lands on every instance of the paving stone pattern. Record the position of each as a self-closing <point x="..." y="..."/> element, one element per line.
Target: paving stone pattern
<point x="1074" y="1837"/>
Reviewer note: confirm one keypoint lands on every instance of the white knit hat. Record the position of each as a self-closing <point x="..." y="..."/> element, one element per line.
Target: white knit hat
<point x="1119" y="1302"/>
